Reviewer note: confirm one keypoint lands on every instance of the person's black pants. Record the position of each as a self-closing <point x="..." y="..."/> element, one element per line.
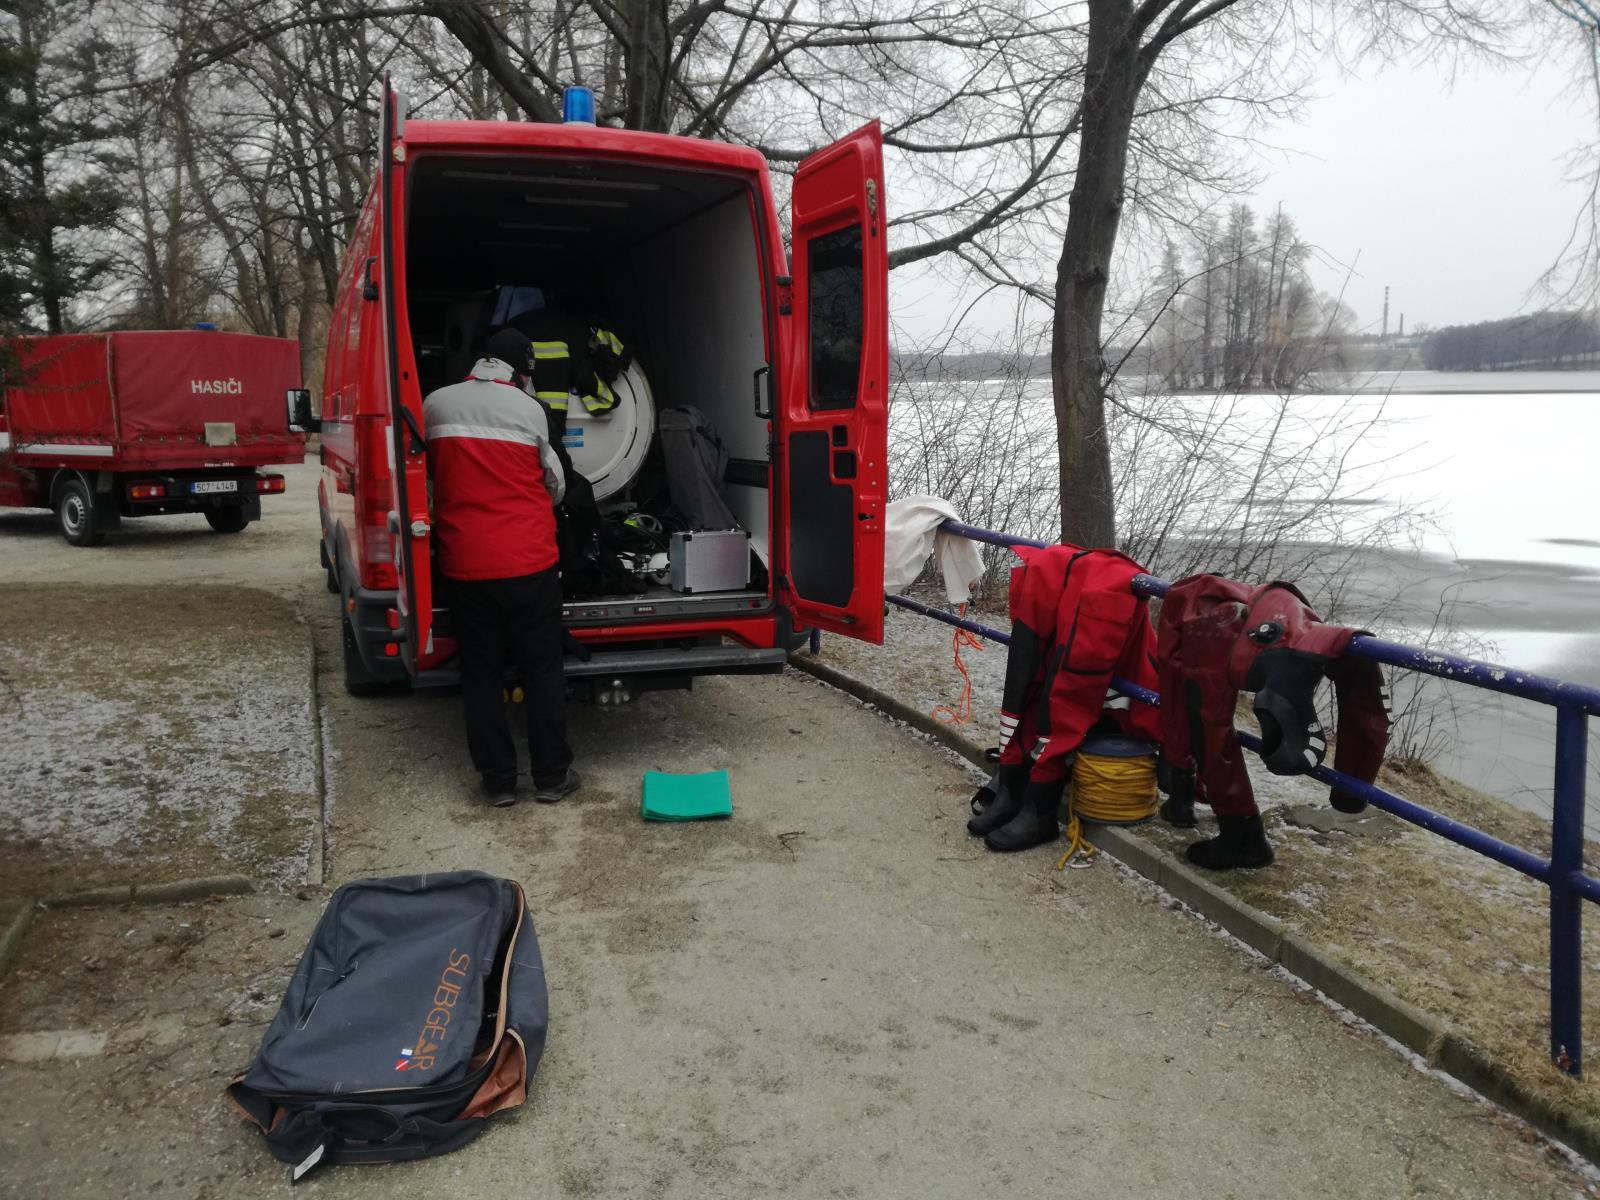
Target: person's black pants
<point x="517" y="623"/>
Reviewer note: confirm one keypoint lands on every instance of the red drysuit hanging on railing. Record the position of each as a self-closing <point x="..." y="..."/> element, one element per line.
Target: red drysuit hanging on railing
<point x="1218" y="638"/>
<point x="1075" y="622"/>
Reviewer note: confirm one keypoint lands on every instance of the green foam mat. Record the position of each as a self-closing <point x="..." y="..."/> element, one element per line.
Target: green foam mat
<point x="697" y="797"/>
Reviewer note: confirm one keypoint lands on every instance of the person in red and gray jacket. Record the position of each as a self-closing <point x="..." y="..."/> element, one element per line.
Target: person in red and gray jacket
<point x="496" y="481"/>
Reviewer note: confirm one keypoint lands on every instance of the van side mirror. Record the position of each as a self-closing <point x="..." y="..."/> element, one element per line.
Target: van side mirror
<point x="300" y="418"/>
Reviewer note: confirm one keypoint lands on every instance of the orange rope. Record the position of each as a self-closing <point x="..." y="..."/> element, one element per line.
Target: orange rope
<point x="961" y="712"/>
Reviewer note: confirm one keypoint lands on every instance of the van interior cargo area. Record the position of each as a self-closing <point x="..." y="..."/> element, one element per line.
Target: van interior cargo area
<point x="668" y="260"/>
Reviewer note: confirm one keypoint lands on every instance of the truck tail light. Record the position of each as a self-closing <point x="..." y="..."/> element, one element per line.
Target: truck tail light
<point x="269" y="483"/>
<point x="392" y="616"/>
<point x="391" y="650"/>
<point x="147" y="491"/>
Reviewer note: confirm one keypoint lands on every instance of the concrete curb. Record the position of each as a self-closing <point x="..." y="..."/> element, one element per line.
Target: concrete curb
<point x="154" y="893"/>
<point x="16" y="929"/>
<point x="316" y="856"/>
<point x="127" y="893"/>
<point x="1423" y="1034"/>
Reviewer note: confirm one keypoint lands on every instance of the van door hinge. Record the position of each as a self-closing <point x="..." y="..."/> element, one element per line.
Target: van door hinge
<point x="785" y="294"/>
<point x="419" y="529"/>
<point x="399" y="152"/>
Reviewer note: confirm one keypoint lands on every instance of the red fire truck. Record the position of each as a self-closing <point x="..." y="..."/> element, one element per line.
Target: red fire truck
<point x="680" y="242"/>
<point x="102" y="426"/>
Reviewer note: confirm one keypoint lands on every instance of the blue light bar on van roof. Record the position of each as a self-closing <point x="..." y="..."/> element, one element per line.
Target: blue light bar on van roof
<point x="577" y="106"/>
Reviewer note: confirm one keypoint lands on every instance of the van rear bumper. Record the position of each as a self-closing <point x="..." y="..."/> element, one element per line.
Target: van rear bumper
<point x="694" y="660"/>
<point x="632" y="663"/>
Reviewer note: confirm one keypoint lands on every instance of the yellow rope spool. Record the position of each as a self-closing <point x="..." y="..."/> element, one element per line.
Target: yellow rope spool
<point x="1109" y="790"/>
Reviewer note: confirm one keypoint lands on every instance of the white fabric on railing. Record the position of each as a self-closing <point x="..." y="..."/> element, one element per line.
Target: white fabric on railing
<point x="911" y="533"/>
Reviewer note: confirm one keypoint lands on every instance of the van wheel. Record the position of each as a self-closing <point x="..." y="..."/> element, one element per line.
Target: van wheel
<point x="358" y="681"/>
<point x="227" y="520"/>
<point x="75" y="513"/>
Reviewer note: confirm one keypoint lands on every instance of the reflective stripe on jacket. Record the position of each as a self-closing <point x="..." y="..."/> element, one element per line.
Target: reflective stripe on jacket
<point x="496" y="477"/>
<point x="572" y="358"/>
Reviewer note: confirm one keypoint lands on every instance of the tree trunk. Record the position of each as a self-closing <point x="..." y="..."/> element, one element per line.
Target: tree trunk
<point x="646" y="81"/>
<point x="1113" y="75"/>
<point x="38" y="204"/>
<point x="1208" y="321"/>
<point x="480" y="37"/>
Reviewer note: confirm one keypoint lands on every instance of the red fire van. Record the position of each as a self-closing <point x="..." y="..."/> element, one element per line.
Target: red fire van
<point x="680" y="241"/>
<point x="102" y="426"/>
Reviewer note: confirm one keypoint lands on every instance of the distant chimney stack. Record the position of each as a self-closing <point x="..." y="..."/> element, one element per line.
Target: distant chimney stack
<point x="1385" y="334"/>
<point x="1402" y="324"/>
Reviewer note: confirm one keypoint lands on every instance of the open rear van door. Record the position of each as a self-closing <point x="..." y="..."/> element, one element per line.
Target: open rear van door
<point x="834" y="420"/>
<point x="408" y="519"/>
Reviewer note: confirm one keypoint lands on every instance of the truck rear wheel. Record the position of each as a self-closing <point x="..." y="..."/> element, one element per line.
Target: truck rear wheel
<point x="75" y="514"/>
<point x="227" y="520"/>
<point x="358" y="681"/>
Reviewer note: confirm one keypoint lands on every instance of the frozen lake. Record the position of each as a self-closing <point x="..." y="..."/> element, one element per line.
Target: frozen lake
<point x="1513" y="475"/>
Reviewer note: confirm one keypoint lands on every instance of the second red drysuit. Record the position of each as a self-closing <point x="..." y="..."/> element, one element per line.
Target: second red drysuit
<point x="1218" y="638"/>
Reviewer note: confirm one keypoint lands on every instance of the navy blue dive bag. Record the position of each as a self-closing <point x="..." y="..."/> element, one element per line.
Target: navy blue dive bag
<point x="418" y="1010"/>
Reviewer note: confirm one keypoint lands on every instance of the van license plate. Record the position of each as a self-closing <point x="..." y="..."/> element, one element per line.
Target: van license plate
<point x="205" y="486"/>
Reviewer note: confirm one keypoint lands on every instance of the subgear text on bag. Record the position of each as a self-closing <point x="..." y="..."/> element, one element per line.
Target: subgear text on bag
<point x="418" y="1010"/>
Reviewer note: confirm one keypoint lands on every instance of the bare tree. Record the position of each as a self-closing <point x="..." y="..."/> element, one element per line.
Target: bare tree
<point x="1573" y="280"/>
<point x="1127" y="42"/>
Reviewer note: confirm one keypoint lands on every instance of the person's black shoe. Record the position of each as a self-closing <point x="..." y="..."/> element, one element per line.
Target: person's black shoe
<point x="1035" y="824"/>
<point x="1240" y="842"/>
<point x="558" y="791"/>
<point x="498" y="795"/>
<point x="1011" y="782"/>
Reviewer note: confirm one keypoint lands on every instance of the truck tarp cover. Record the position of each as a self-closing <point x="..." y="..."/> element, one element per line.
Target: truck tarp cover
<point x="133" y="387"/>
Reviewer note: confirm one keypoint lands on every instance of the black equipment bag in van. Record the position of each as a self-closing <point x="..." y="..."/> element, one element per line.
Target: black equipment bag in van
<point x="697" y="466"/>
<point x="418" y="1010"/>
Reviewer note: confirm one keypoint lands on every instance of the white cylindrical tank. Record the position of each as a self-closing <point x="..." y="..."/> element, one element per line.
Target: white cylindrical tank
<point x="609" y="447"/>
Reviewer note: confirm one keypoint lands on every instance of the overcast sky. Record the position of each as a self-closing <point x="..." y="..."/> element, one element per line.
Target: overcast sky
<point x="1454" y="197"/>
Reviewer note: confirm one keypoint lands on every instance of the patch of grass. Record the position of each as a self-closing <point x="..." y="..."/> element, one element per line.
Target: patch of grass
<point x="1451" y="932"/>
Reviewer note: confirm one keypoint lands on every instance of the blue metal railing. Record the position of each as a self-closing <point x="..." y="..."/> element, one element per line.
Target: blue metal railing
<point x="1562" y="873"/>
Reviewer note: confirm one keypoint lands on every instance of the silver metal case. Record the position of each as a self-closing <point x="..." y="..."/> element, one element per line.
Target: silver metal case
<point x="710" y="560"/>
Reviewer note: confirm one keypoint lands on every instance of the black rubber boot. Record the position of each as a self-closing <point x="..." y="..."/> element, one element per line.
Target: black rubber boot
<point x="1240" y="842"/>
<point x="984" y="796"/>
<point x="1011" y="782"/>
<point x="1036" y="824"/>
<point x="1178" y="811"/>
<point x="1346" y="803"/>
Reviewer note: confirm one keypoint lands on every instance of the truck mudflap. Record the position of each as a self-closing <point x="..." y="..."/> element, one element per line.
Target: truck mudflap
<point x="368" y="621"/>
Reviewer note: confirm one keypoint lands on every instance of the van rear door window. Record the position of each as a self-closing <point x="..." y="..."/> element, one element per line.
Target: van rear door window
<point x="835" y="307"/>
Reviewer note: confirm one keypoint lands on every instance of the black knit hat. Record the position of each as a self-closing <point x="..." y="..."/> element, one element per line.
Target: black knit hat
<point x="512" y="347"/>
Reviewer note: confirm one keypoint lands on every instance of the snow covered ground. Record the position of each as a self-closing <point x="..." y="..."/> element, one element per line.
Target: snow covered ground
<point x="175" y="741"/>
